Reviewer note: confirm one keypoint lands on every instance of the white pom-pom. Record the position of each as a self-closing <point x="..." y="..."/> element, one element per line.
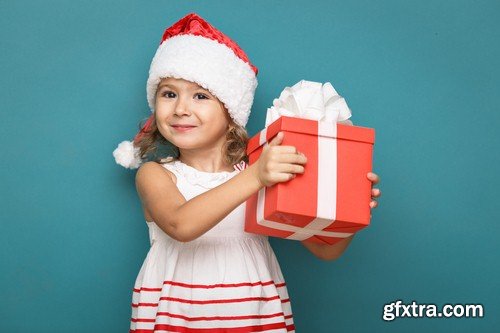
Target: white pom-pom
<point x="127" y="155"/>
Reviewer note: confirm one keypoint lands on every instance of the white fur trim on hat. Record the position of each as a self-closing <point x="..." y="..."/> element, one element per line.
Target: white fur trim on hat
<point x="212" y="65"/>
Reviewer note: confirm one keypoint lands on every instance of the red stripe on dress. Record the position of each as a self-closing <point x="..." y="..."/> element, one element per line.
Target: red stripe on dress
<point x="209" y="286"/>
<point x="146" y="289"/>
<point x="222" y="285"/>
<point x="142" y="320"/>
<point x="173" y="315"/>
<point x="205" y="318"/>
<point x="289" y="328"/>
<point x="136" y="305"/>
<point x="245" y="329"/>
<point x="216" y="301"/>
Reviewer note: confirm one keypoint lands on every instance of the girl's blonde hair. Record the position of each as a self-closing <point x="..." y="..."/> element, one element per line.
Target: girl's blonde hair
<point x="234" y="149"/>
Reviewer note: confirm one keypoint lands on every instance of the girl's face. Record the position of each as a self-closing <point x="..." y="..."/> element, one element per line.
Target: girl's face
<point x="189" y="116"/>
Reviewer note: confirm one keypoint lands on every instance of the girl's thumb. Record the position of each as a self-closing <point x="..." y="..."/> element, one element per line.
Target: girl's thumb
<point x="278" y="139"/>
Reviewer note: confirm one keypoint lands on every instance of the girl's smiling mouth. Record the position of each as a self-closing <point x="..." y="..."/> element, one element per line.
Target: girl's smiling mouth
<point x="182" y="128"/>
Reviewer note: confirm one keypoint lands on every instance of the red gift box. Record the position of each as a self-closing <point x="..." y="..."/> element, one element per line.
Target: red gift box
<point x="330" y="200"/>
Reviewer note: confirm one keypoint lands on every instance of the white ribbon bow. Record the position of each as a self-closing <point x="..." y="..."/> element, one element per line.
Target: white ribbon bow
<point x="310" y="100"/>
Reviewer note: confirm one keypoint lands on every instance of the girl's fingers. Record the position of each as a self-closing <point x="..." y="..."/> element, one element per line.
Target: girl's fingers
<point x="289" y="168"/>
<point x="279" y="177"/>
<point x="292" y="158"/>
<point x="374" y="178"/>
<point x="373" y="204"/>
<point x="278" y="139"/>
<point x="376" y="192"/>
<point x="286" y="149"/>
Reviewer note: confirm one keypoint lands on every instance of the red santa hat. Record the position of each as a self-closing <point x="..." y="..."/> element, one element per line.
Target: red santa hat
<point x="194" y="50"/>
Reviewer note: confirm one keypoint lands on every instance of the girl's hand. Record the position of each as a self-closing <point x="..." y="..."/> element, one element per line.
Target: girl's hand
<point x="279" y="163"/>
<point x="375" y="191"/>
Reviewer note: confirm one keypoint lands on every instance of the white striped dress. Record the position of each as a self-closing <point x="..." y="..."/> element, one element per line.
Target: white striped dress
<point x="227" y="280"/>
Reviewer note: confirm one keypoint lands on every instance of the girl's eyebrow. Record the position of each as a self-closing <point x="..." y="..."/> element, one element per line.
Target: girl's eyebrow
<point x="192" y="87"/>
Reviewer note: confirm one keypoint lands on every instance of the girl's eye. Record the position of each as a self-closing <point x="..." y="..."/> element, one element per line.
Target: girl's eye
<point x="202" y="96"/>
<point x="168" y="94"/>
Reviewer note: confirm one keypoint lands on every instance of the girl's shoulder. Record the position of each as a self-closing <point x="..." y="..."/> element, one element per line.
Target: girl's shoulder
<point x="153" y="167"/>
<point x="148" y="178"/>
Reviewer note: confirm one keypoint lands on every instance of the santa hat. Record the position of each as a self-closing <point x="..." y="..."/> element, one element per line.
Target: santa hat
<point x="193" y="50"/>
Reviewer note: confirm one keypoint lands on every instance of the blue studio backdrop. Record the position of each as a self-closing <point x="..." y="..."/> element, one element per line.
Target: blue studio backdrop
<point x="424" y="74"/>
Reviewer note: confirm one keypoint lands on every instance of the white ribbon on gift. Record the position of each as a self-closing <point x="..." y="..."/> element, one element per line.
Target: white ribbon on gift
<point x="320" y="102"/>
<point x="310" y="100"/>
<point x="326" y="209"/>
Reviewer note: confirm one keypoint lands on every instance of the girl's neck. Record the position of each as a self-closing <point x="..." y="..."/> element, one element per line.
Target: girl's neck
<point x="206" y="162"/>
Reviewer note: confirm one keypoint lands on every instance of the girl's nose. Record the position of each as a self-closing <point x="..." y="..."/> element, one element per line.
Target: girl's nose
<point x="182" y="108"/>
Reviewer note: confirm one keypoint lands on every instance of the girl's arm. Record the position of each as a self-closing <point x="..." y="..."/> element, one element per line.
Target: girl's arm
<point x="187" y="220"/>
<point x="328" y="252"/>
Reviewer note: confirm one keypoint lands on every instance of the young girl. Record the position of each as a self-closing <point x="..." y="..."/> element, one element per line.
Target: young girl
<point x="203" y="272"/>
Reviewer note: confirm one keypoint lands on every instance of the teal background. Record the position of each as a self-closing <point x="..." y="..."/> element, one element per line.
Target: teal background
<point x="424" y="74"/>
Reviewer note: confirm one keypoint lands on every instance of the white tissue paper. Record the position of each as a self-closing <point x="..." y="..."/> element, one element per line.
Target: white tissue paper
<point x="310" y="100"/>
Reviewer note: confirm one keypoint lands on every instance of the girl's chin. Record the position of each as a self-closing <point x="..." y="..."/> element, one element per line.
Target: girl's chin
<point x="186" y="144"/>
